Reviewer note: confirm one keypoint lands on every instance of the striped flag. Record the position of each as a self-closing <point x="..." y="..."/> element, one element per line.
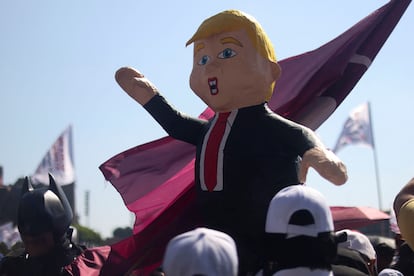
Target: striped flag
<point x="357" y="129"/>
<point x="58" y="161"/>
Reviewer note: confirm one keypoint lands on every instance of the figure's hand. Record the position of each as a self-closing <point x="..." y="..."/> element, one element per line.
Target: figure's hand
<point x="326" y="163"/>
<point x="135" y="84"/>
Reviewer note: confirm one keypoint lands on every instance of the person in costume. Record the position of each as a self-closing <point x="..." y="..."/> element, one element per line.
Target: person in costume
<point x="246" y="153"/>
<point x="44" y="218"/>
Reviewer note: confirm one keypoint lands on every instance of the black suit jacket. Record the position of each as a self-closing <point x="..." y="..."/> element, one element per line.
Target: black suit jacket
<point x="260" y="157"/>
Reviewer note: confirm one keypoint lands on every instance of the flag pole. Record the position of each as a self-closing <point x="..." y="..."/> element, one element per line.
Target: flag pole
<point x="379" y="193"/>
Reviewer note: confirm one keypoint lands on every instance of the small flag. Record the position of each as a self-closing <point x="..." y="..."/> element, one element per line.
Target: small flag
<point x="9" y="234"/>
<point x="357" y="129"/>
<point x="57" y="161"/>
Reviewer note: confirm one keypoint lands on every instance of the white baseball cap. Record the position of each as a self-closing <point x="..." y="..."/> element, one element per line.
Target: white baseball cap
<point x="293" y="199"/>
<point x="358" y="242"/>
<point x="201" y="251"/>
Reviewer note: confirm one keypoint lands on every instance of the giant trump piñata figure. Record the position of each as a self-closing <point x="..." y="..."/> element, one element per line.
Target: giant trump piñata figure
<point x="246" y="153"/>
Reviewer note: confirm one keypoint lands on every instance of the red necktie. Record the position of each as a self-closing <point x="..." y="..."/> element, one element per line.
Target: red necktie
<point x="212" y="151"/>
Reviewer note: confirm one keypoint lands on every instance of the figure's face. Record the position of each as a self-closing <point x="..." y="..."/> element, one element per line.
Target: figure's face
<point x="38" y="245"/>
<point x="228" y="72"/>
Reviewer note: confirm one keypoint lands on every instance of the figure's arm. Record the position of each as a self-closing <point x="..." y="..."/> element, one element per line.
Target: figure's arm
<point x="176" y="124"/>
<point x="314" y="154"/>
<point x="135" y="84"/>
<point x="325" y="162"/>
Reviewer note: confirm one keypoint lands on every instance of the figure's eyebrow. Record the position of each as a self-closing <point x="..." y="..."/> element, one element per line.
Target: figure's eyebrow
<point x="232" y="40"/>
<point x="198" y="47"/>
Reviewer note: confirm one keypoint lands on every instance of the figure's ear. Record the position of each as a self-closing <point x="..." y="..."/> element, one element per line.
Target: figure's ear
<point x="52" y="185"/>
<point x="27" y="185"/>
<point x="57" y="189"/>
<point x="276" y="70"/>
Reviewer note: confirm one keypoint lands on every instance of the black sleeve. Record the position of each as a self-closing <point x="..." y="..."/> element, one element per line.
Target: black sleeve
<point x="175" y="123"/>
<point x="298" y="137"/>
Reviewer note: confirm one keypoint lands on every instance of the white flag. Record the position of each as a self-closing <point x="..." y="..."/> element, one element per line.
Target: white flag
<point x="58" y="161"/>
<point x="357" y="129"/>
<point x="9" y="234"/>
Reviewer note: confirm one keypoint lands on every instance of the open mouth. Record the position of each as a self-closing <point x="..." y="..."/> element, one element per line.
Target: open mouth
<point x="212" y="83"/>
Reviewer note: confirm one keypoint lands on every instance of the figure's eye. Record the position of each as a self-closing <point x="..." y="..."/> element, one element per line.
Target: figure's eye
<point x="203" y="60"/>
<point x="227" y="53"/>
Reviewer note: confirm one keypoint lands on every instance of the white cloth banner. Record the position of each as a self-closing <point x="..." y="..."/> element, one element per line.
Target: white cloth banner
<point x="9" y="234"/>
<point x="58" y="161"/>
<point x="357" y="129"/>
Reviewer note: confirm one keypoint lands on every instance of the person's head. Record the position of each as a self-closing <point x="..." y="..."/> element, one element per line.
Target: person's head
<point x="234" y="62"/>
<point x="360" y="243"/>
<point x="385" y="254"/>
<point x="43" y="218"/>
<point x="201" y="251"/>
<point x="405" y="260"/>
<point x="349" y="262"/>
<point x="299" y="229"/>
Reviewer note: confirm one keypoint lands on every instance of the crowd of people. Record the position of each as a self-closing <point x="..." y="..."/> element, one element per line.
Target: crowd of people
<point x="300" y="239"/>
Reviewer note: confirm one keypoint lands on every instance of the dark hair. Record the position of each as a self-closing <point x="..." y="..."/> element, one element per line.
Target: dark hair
<point x="405" y="262"/>
<point x="300" y="251"/>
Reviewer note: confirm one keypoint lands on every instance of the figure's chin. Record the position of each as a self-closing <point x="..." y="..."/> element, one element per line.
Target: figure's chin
<point x="217" y="105"/>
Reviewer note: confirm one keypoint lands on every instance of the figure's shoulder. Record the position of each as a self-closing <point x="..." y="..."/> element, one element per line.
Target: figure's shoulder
<point x="279" y="122"/>
<point x="273" y="116"/>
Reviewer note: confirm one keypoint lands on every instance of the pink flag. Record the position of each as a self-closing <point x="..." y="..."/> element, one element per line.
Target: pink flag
<point x="156" y="180"/>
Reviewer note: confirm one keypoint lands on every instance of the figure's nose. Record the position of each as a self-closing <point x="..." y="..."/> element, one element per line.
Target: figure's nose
<point x="212" y="66"/>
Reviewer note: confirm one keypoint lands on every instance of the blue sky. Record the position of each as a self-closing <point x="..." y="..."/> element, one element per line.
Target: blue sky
<point x="58" y="60"/>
